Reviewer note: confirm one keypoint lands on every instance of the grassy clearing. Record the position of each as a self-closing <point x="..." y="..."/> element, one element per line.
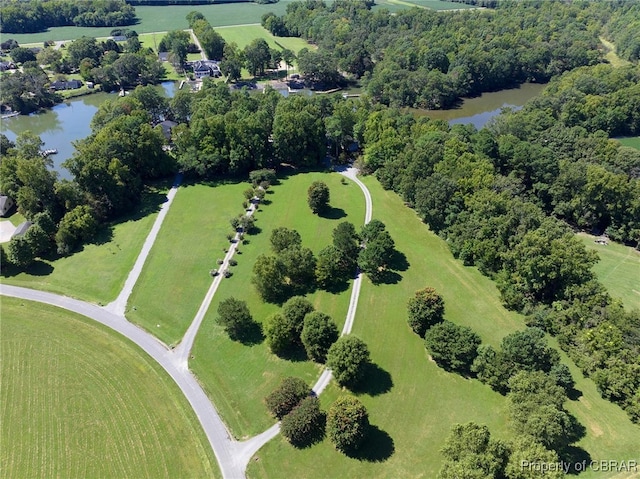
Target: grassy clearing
<point x="423" y="402"/>
<point x="611" y="55"/>
<point x="78" y="400"/>
<point x="238" y="377"/>
<point x="97" y="273"/>
<point x="175" y="277"/>
<point x="243" y="35"/>
<point x="632" y="141"/>
<point x="618" y="269"/>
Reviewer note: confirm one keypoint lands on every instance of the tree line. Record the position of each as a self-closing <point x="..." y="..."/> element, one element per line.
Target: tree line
<point x="38" y="15"/>
<point x="426" y="59"/>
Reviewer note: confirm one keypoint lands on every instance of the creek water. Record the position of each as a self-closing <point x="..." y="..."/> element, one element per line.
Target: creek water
<point x="70" y="121"/>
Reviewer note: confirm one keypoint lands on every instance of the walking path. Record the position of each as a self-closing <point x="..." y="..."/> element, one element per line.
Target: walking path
<point x="232" y="456"/>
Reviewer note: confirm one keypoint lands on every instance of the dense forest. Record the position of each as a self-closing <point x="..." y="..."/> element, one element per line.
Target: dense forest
<point x="38" y="15"/>
<point x="428" y="59"/>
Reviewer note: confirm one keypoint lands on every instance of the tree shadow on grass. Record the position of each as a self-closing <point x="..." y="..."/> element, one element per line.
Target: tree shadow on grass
<point x="37" y="268"/>
<point x="375" y="381"/>
<point x="399" y="261"/>
<point x="332" y="213"/>
<point x="574" y="394"/>
<point x="386" y="276"/>
<point x="377" y="447"/>
<point x="295" y="354"/>
<point x="251" y="336"/>
<point x="574" y="455"/>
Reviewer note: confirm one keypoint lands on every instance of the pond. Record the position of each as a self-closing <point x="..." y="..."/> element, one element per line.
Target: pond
<point x="64" y="124"/>
<point x="480" y="110"/>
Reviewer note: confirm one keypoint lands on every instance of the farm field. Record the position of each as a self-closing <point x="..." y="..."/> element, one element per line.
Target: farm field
<point x="176" y="277"/>
<point x="632" y="141"/>
<point x="618" y="269"/>
<point x="237" y="377"/>
<point x="173" y="17"/>
<point x="78" y="400"/>
<point x="110" y="257"/>
<point x="414" y="407"/>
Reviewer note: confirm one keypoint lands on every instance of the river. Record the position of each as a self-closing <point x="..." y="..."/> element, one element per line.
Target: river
<point x="70" y="121"/>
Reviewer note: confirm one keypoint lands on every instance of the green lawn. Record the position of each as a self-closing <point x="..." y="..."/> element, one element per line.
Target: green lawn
<point x="175" y="277"/>
<point x="238" y="377"/>
<point x="415" y="415"/>
<point x="78" y="400"/>
<point x="618" y="269"/>
<point x="632" y="141"/>
<point x="96" y="273"/>
<point x="243" y="35"/>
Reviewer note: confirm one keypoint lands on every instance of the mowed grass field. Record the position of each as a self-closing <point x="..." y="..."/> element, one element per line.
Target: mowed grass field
<point x="175" y="277"/>
<point x="632" y="141"/>
<point x="78" y="400"/>
<point x="618" y="269"/>
<point x="430" y="4"/>
<point x="243" y="35"/>
<point x="97" y="273"/>
<point x="237" y="377"/>
<point x="414" y="416"/>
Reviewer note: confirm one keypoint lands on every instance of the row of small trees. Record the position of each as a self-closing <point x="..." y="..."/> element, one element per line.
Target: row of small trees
<point x="304" y="423"/>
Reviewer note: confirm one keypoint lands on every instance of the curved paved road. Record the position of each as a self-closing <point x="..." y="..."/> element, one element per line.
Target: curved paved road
<point x="232" y="456"/>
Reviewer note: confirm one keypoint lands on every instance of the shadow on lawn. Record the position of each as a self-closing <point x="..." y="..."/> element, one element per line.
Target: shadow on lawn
<point x="332" y="213"/>
<point x="377" y="447"/>
<point x="376" y="381"/>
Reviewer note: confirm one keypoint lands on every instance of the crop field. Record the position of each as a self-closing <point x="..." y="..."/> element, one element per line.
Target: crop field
<point x="411" y="402"/>
<point x="618" y="269"/>
<point x="237" y="377"/>
<point x="176" y="277"/>
<point x="78" y="400"/>
<point x="632" y="141"/>
<point x="97" y="273"/>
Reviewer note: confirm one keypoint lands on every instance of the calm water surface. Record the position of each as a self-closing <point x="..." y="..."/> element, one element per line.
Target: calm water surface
<point x="64" y="124"/>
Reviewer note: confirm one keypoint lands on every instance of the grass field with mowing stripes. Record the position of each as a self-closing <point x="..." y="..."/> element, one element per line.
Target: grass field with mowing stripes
<point x="175" y="277"/>
<point x="238" y="377"/>
<point x="414" y="407"/>
<point x="632" y="141"/>
<point x="618" y="269"/>
<point x="78" y="400"/>
<point x="97" y="273"/>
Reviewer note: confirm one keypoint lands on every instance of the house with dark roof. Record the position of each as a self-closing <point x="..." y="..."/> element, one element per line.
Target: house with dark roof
<point x="163" y="56"/>
<point x="167" y="126"/>
<point x="4" y="66"/>
<point x="6" y="203"/>
<point x="119" y="38"/>
<point x="66" y="85"/>
<point x="22" y="229"/>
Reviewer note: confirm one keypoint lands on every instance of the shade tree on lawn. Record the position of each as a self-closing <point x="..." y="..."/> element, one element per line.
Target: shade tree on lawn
<point x="305" y="424"/>
<point x="348" y="359"/>
<point x="451" y="346"/>
<point x="425" y="309"/>
<point x="282" y="400"/>
<point x="234" y="316"/>
<point x="347" y="423"/>
<point x="319" y="332"/>
<point x="318" y="196"/>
